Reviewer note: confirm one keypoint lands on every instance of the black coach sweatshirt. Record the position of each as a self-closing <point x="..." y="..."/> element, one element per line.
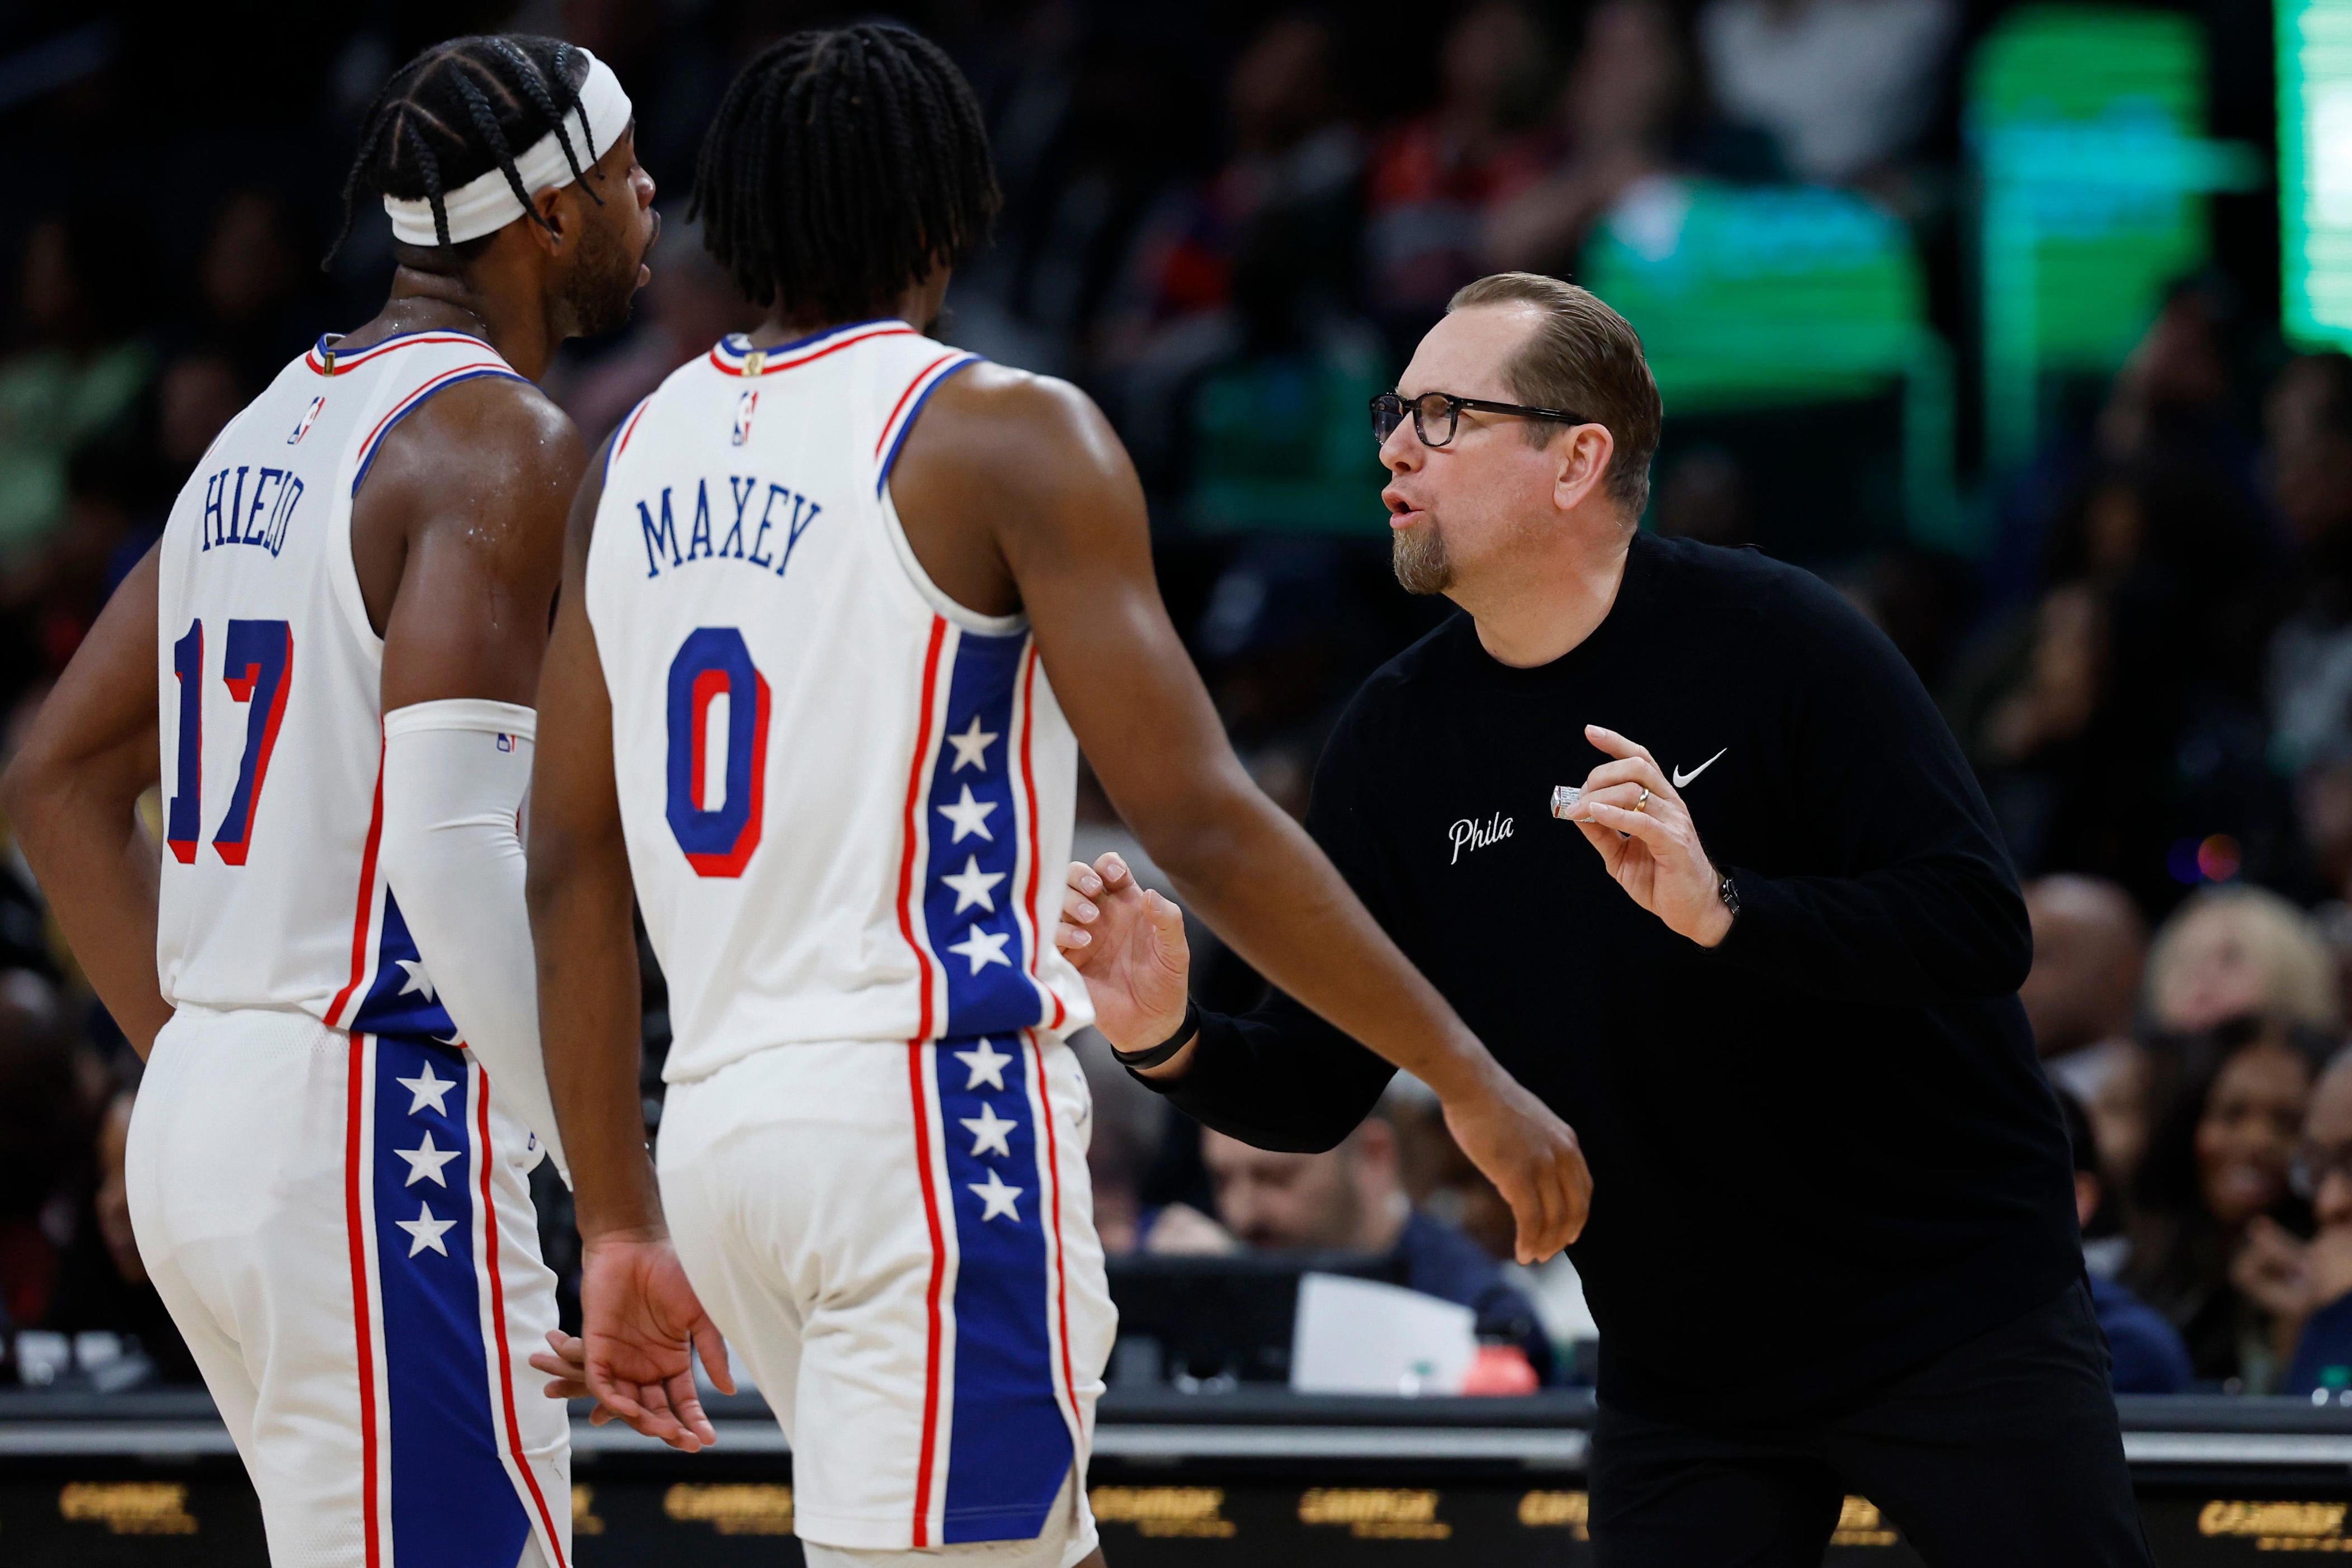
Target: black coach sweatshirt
<point x="1821" y="1152"/>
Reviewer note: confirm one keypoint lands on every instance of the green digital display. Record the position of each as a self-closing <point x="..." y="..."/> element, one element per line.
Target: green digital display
<point x="2314" y="173"/>
<point x="2085" y="126"/>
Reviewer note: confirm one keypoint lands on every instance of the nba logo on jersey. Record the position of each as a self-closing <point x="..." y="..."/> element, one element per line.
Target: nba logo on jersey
<point x="743" y="407"/>
<point x="310" y="418"/>
<point x="506" y="743"/>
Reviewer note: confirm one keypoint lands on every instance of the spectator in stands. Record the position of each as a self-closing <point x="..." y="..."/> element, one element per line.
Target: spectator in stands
<point x="2307" y="1286"/>
<point x="46" y="1116"/>
<point x="80" y="375"/>
<point x="257" y="300"/>
<point x="2148" y="1357"/>
<point x="2235" y="952"/>
<point x="1353" y="1199"/>
<point x="1441" y="1181"/>
<point x="2089" y="945"/>
<point x="2118" y="1082"/>
<point x="2075" y="708"/>
<point x="2219" y="1162"/>
<point x="1287" y="199"/>
<point x="1844" y="86"/>
<point x="1614" y="125"/>
<point x="103" y="1285"/>
<point x="2307" y="462"/>
<point x="1434" y="178"/>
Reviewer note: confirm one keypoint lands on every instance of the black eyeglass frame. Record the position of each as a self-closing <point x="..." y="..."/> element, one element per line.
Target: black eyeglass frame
<point x="1388" y="401"/>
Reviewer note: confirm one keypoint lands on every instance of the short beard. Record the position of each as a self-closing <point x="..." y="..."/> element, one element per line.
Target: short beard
<point x="1418" y="557"/>
<point x="603" y="283"/>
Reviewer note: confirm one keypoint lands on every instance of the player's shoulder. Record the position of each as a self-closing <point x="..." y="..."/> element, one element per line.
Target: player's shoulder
<point x="1013" y="432"/>
<point x="494" y="426"/>
<point x="1004" y="400"/>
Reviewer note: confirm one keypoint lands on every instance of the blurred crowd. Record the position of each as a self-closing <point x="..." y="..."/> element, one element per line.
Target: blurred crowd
<point x="1230" y="225"/>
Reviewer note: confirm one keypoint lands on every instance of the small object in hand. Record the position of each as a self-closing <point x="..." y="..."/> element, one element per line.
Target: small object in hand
<point x="1643" y="803"/>
<point x="1564" y="797"/>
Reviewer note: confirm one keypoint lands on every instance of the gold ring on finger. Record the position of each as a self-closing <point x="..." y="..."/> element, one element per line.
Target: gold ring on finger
<point x="1643" y="804"/>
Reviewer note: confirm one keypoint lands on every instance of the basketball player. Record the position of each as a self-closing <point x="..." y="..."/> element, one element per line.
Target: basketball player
<point x="839" y="604"/>
<point x="331" y="974"/>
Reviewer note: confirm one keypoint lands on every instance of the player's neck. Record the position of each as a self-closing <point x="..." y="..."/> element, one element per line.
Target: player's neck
<point x="519" y="328"/>
<point x="917" y="305"/>
<point x="1551" y="598"/>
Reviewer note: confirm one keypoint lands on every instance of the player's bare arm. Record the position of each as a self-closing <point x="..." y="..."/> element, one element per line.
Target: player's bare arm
<point x="1015" y="492"/>
<point x="643" y="1319"/>
<point x="72" y="793"/>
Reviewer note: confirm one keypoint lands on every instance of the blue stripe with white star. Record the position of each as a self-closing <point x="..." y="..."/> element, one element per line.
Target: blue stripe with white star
<point x="402" y="999"/>
<point x="452" y="1503"/>
<point x="976" y="826"/>
<point x="1009" y="1446"/>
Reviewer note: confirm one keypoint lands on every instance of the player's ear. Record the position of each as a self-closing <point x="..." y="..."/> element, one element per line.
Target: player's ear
<point x="560" y="224"/>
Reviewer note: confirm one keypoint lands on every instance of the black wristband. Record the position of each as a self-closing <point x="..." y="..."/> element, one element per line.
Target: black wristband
<point x="1166" y="1047"/>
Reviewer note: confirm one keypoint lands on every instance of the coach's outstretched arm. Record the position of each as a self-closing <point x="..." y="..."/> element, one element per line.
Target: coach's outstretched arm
<point x="1030" y="463"/>
<point x="643" y="1319"/>
<point x="72" y="794"/>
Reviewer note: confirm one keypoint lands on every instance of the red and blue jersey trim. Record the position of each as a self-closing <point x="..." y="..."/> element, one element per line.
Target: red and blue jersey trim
<point x="343" y="363"/>
<point x="415" y="399"/>
<point x="734" y="353"/>
<point x="910" y="403"/>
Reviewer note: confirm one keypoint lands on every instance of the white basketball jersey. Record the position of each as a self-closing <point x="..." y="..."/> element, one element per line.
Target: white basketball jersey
<point x="271" y="679"/>
<point x="847" y="799"/>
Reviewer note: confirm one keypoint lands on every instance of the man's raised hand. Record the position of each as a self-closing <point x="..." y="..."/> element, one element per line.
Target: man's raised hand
<point x="1128" y="944"/>
<point x="1649" y="842"/>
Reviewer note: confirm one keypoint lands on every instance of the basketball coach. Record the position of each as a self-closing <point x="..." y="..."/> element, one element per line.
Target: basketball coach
<point x="1682" y="837"/>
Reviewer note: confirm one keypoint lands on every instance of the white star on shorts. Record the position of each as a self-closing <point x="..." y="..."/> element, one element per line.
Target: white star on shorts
<point x="425" y="1161"/>
<point x="983" y="948"/>
<point x="997" y="1196"/>
<point x="425" y="1230"/>
<point x="973" y="884"/>
<point x="987" y="1132"/>
<point x="987" y="1066"/>
<point x="426" y="1087"/>
<point x="970" y="816"/>
<point x="971" y="748"/>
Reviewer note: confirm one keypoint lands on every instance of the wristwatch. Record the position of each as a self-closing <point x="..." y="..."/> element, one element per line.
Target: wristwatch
<point x="1727" y="891"/>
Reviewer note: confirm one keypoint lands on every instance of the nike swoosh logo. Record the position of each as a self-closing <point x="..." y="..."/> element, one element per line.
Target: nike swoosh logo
<point x="1682" y="777"/>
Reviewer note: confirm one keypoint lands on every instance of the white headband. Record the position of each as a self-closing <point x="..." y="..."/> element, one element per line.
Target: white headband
<point x="487" y="205"/>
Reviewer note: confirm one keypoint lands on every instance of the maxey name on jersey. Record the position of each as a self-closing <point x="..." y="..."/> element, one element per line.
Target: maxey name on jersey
<point x="780" y="510"/>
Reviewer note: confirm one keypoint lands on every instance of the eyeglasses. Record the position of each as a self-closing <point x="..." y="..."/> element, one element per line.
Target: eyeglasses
<point x="2313" y="1164"/>
<point x="1435" y="414"/>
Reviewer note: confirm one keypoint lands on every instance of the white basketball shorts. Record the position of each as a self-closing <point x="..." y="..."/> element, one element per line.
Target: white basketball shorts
<point x="341" y="1226"/>
<point x="899" y="1241"/>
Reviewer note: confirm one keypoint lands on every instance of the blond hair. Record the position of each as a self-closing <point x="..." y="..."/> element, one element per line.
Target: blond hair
<point x="2298" y="970"/>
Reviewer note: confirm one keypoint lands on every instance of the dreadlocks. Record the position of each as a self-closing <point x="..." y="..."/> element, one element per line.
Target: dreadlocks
<point x="842" y="165"/>
<point x="460" y="109"/>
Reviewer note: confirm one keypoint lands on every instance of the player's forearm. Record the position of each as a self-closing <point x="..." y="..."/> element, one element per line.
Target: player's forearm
<point x="99" y="868"/>
<point x="589" y="1009"/>
<point x="1263" y="886"/>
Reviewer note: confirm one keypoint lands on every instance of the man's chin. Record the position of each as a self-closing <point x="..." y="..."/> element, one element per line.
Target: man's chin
<point x="1417" y="556"/>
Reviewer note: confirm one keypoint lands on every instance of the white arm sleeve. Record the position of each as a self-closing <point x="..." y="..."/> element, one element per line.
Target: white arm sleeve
<point x="455" y="776"/>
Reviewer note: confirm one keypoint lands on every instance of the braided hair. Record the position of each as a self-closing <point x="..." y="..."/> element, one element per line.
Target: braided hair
<point x="842" y="165"/>
<point x="460" y="109"/>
